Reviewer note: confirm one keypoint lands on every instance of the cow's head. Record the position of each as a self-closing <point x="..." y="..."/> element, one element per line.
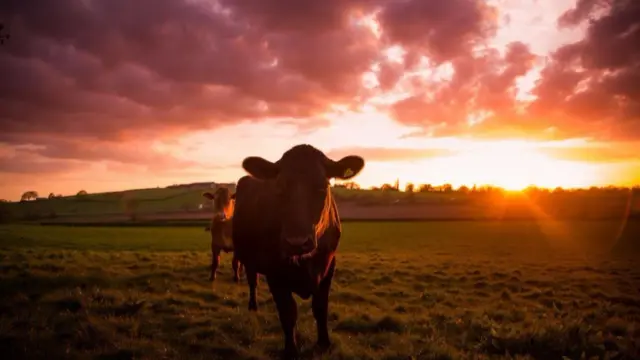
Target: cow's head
<point x="222" y="201"/>
<point x="302" y="187"/>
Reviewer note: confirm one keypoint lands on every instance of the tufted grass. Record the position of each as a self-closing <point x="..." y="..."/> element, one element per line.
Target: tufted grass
<point x="434" y="290"/>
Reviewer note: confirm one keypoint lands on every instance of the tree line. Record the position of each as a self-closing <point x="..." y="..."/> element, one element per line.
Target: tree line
<point x="416" y="188"/>
<point x="33" y="195"/>
<point x="464" y="189"/>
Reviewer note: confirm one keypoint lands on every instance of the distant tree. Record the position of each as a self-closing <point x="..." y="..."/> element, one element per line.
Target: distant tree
<point x="29" y="195"/>
<point x="52" y="195"/>
<point x="351" y="185"/>
<point x="396" y="185"/>
<point x="463" y="189"/>
<point x="388" y="187"/>
<point x="425" y="188"/>
<point x="409" y="187"/>
<point x="409" y="192"/>
<point x="447" y="188"/>
<point x="490" y="189"/>
<point x="81" y="193"/>
<point x="374" y="188"/>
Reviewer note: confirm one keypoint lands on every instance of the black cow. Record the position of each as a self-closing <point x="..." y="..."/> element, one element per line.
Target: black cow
<point x="286" y="227"/>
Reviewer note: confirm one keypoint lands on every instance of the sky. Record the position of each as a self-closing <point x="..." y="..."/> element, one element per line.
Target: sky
<point x="105" y="95"/>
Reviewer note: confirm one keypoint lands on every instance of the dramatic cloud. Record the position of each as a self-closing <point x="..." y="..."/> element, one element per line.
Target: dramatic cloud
<point x="593" y="86"/>
<point x="99" y="80"/>
<point x="590" y="87"/>
<point x="481" y="86"/>
<point x="109" y="69"/>
<point x="440" y="30"/>
<point x="90" y="70"/>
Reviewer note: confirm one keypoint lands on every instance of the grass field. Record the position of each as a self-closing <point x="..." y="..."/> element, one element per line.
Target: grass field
<point x="433" y="290"/>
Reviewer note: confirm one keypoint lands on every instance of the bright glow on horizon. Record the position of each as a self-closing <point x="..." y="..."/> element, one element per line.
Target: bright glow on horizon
<point x="392" y="150"/>
<point x="509" y="165"/>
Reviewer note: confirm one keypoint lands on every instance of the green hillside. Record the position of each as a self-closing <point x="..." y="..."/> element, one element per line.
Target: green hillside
<point x="186" y="201"/>
<point x="148" y="201"/>
<point x="180" y="199"/>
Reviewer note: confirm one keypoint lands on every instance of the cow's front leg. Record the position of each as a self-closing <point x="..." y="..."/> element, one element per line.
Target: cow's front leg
<point x="320" y="307"/>
<point x="215" y="262"/>
<point x="288" y="315"/>
<point x="252" y="279"/>
<point x="235" y="263"/>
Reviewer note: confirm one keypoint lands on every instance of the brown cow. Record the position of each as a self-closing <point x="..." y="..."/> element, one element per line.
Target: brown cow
<point x="220" y="228"/>
<point x="286" y="227"/>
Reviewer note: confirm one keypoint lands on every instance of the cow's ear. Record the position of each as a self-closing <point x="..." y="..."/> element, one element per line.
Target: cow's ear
<point x="345" y="168"/>
<point x="208" y="195"/>
<point x="260" y="168"/>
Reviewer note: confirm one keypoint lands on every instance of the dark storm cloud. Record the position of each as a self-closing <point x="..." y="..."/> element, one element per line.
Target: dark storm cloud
<point x="442" y="30"/>
<point x="593" y="86"/>
<point x="116" y="65"/>
<point x="111" y="70"/>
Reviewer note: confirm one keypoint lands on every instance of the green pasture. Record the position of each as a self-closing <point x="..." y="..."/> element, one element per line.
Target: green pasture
<point x="402" y="290"/>
<point x="359" y="237"/>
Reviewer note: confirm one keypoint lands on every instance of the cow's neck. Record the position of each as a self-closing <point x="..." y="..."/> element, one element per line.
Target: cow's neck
<point x="328" y="217"/>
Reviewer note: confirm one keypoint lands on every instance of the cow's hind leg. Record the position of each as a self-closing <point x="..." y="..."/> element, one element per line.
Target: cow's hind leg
<point x="288" y="315"/>
<point x="235" y="263"/>
<point x="215" y="262"/>
<point x="320" y="307"/>
<point x="252" y="279"/>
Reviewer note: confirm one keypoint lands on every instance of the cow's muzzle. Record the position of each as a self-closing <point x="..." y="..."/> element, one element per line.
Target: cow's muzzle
<point x="297" y="246"/>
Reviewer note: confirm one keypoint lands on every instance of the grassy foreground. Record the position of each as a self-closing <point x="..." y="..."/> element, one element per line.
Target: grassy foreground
<point x="433" y="290"/>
